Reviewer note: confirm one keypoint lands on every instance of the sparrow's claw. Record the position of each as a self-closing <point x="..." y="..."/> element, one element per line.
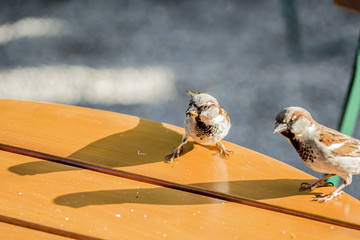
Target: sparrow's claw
<point x="178" y="150"/>
<point x="171" y="157"/>
<point x="305" y="186"/>
<point x="227" y="153"/>
<point x="175" y="154"/>
<point x="329" y="184"/>
<point x="326" y="197"/>
<point x="222" y="149"/>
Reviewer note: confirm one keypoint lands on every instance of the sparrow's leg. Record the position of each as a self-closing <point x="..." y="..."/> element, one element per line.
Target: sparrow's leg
<point x="177" y="150"/>
<point x="319" y="183"/>
<point x="327" y="197"/>
<point x="222" y="149"/>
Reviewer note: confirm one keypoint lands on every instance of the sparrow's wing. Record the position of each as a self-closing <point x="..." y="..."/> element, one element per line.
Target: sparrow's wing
<point x="339" y="143"/>
<point x="224" y="113"/>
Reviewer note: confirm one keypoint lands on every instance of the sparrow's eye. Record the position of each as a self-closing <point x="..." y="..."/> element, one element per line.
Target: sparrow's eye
<point x="279" y="121"/>
<point x="192" y="104"/>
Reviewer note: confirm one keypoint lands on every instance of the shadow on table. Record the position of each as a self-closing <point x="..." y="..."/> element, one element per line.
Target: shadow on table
<point x="148" y="142"/>
<point x="249" y="189"/>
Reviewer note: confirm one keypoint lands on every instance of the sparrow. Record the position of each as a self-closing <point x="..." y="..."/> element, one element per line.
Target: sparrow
<point x="322" y="149"/>
<point x="205" y="122"/>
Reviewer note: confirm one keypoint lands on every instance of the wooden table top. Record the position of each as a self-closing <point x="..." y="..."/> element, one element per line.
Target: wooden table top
<point x="89" y="174"/>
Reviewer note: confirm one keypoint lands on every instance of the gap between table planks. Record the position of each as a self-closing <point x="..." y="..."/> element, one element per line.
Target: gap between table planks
<point x="95" y="205"/>
<point x="122" y="142"/>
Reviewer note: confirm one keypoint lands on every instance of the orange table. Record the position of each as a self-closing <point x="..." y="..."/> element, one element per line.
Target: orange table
<point x="89" y="174"/>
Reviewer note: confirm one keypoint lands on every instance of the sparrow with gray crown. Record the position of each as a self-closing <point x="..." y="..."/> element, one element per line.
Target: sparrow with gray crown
<point x="205" y="122"/>
<point x="322" y="149"/>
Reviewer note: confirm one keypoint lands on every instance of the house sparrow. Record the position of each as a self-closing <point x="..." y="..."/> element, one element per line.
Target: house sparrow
<point x="322" y="149"/>
<point x="206" y="122"/>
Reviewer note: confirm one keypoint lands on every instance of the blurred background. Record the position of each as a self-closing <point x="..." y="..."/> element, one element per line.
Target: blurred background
<point x="137" y="57"/>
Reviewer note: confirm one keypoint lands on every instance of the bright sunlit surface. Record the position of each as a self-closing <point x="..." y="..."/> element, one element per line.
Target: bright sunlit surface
<point x="74" y="84"/>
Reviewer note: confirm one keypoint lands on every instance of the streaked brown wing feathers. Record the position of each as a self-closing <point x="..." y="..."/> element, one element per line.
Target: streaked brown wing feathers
<point x="351" y="145"/>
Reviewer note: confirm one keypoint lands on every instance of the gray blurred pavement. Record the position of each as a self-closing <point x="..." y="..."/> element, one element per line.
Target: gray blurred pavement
<point x="138" y="57"/>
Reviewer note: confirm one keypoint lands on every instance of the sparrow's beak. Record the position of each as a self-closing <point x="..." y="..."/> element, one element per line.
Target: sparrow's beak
<point x="191" y="111"/>
<point x="191" y="114"/>
<point x="280" y="127"/>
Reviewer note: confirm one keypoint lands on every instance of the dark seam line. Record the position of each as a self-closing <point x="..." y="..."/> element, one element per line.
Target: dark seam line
<point x="47" y="229"/>
<point x="172" y="185"/>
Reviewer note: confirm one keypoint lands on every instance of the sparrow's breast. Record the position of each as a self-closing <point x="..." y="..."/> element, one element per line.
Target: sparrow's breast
<point x="305" y="151"/>
<point x="206" y="133"/>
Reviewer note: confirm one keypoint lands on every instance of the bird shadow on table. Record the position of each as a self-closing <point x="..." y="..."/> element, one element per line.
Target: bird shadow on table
<point x="248" y="189"/>
<point x="148" y="142"/>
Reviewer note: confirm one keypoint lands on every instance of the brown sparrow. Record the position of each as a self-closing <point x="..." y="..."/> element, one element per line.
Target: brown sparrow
<point x="322" y="149"/>
<point x="206" y="122"/>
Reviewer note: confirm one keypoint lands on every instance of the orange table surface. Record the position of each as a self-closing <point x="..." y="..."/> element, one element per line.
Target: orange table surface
<point x="119" y="186"/>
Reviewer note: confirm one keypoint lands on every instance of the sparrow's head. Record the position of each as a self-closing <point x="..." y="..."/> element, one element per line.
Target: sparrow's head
<point x="292" y="120"/>
<point x="203" y="105"/>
